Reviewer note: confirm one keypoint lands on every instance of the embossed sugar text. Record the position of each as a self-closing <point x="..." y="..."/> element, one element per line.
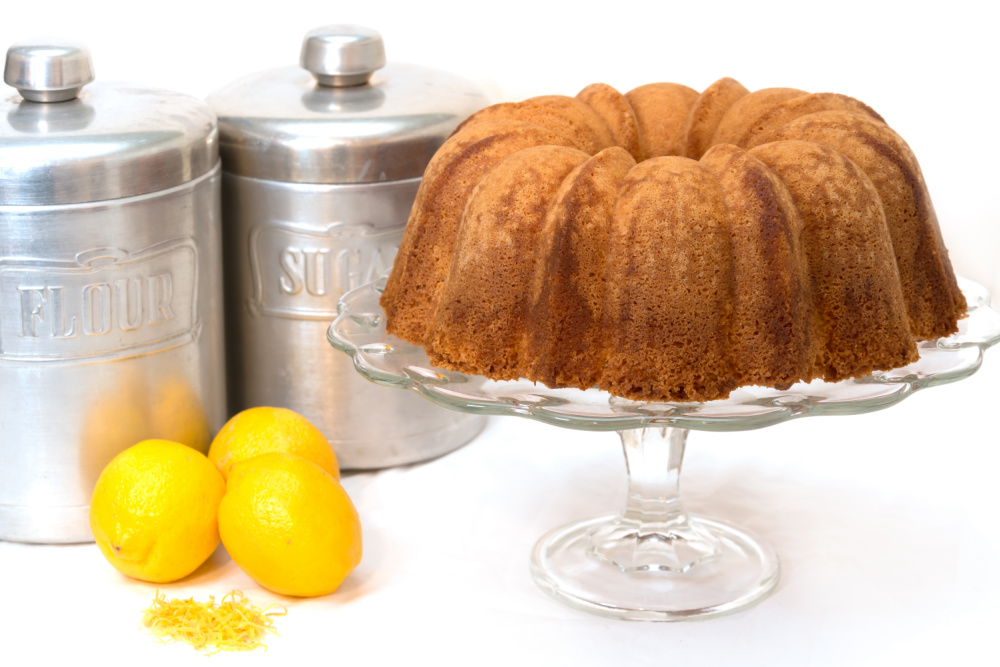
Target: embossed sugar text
<point x="300" y="273"/>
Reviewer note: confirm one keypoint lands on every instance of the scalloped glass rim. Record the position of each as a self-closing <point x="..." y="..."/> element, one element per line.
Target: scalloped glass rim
<point x="359" y="330"/>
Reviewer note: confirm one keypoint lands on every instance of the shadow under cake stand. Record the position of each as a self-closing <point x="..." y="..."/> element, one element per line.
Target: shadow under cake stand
<point x="653" y="560"/>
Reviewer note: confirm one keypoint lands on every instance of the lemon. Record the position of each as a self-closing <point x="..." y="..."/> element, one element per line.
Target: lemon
<point x="154" y="512"/>
<point x="263" y="430"/>
<point x="289" y="525"/>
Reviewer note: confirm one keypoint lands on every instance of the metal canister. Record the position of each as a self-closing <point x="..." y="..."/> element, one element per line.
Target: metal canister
<point x="321" y="165"/>
<point x="111" y="326"/>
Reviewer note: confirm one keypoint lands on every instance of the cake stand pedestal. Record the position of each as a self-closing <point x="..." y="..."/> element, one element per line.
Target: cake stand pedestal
<point x="653" y="560"/>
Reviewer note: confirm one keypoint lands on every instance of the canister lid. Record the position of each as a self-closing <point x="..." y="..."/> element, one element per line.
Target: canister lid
<point x="65" y="140"/>
<point x="342" y="116"/>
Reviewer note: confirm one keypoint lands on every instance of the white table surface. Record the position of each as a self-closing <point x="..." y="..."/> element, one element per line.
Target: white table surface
<point x="886" y="526"/>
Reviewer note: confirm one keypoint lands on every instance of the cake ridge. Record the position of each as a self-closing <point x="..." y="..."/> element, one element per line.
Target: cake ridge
<point x="569" y="287"/>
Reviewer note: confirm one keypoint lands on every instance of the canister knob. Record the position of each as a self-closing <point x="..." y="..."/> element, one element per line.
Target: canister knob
<point x="342" y="55"/>
<point x="48" y="70"/>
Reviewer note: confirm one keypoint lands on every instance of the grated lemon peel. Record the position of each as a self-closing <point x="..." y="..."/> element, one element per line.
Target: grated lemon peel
<point x="232" y="625"/>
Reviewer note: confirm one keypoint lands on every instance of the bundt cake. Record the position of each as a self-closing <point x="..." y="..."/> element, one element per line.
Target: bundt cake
<point x="670" y="245"/>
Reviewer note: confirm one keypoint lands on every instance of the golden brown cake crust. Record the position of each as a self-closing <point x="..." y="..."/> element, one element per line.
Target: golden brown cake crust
<point x="661" y="110"/>
<point x="855" y="286"/>
<point x="668" y="286"/>
<point x="479" y="326"/>
<point x="747" y="110"/>
<point x="929" y="286"/>
<point x="412" y="292"/>
<point x="706" y="113"/>
<point x="567" y="342"/>
<point x="772" y="338"/>
<point x="782" y="114"/>
<point x="801" y="245"/>
<point x="617" y="113"/>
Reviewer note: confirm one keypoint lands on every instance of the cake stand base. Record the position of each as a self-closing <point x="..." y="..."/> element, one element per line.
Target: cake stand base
<point x="742" y="574"/>
<point x="654" y="562"/>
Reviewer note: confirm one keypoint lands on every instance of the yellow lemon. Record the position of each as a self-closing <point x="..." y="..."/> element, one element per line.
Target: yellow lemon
<point x="289" y="525"/>
<point x="264" y="430"/>
<point x="154" y="512"/>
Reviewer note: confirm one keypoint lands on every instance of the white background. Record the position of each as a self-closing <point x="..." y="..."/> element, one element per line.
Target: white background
<point x="886" y="523"/>
<point x="929" y="69"/>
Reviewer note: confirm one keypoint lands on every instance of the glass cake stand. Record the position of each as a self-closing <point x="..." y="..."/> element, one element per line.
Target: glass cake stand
<point x="653" y="560"/>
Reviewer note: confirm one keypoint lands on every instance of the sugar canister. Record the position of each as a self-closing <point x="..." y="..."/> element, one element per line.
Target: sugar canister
<point x="321" y="164"/>
<point x="111" y="327"/>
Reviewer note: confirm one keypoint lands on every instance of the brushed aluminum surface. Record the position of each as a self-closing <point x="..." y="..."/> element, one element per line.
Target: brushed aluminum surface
<point x="111" y="332"/>
<point x="49" y="70"/>
<point x="342" y="55"/>
<point x="112" y="141"/>
<point x="281" y="125"/>
<point x="291" y="251"/>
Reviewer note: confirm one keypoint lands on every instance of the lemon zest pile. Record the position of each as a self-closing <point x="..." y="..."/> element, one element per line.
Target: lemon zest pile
<point x="232" y="625"/>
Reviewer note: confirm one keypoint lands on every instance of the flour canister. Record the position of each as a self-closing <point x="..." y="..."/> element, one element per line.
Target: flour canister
<point x="321" y="166"/>
<point x="111" y="310"/>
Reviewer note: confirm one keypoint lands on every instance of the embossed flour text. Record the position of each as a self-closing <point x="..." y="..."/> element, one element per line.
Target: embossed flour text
<point x="107" y="303"/>
<point x="124" y="305"/>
